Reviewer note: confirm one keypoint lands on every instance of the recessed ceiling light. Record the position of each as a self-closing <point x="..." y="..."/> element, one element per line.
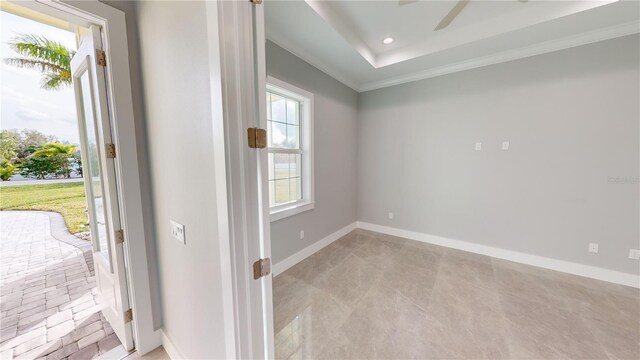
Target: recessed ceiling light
<point x="387" y="40"/>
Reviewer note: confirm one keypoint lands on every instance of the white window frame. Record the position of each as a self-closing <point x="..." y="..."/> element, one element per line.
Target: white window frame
<point x="306" y="129"/>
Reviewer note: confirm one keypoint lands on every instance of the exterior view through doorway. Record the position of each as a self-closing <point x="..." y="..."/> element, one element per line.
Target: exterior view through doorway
<point x="63" y="279"/>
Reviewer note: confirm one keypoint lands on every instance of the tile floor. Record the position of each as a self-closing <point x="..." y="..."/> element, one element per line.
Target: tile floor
<point x="157" y="354"/>
<point x="373" y="296"/>
<point x="48" y="303"/>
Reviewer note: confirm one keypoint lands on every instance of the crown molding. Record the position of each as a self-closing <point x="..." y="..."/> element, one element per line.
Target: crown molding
<point x="585" y="38"/>
<point x="509" y="55"/>
<point x="315" y="63"/>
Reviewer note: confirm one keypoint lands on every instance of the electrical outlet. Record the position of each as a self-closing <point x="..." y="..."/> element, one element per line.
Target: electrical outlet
<point x="505" y="145"/>
<point x="177" y="231"/>
<point x="390" y="215"/>
<point x="478" y="146"/>
<point x="593" y="248"/>
<point x="301" y="234"/>
<point x="634" y="254"/>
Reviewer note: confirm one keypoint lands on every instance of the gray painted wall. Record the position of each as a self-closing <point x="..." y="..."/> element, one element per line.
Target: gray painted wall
<point x="177" y="99"/>
<point x="570" y="177"/>
<point x="335" y="155"/>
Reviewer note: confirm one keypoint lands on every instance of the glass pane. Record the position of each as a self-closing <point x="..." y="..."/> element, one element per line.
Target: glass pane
<point x="281" y="166"/>
<point x="271" y="167"/>
<point x="282" y="191"/>
<point x="268" y="107"/>
<point x="295" y="167"/>
<point x="292" y="112"/>
<point x="278" y="135"/>
<point x="272" y="193"/>
<point x="278" y="112"/>
<point x="296" y="189"/>
<point x="293" y="137"/>
<point x="96" y="204"/>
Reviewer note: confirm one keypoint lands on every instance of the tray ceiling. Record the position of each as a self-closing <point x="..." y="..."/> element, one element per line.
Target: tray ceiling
<point x="345" y="38"/>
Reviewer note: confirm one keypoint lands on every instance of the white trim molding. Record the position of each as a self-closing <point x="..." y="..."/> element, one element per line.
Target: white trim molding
<point x="607" y="33"/>
<point x="567" y="42"/>
<point x="170" y="348"/>
<point x="313" y="61"/>
<point x="287" y="263"/>
<point x="589" y="271"/>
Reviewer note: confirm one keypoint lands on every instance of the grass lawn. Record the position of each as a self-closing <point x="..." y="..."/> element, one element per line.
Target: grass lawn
<point x="67" y="199"/>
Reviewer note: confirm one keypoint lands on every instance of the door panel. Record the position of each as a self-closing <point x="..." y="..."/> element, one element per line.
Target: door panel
<point x="100" y="183"/>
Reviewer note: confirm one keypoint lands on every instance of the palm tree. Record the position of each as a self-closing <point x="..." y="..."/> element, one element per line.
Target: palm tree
<point x="50" y="57"/>
<point x="62" y="151"/>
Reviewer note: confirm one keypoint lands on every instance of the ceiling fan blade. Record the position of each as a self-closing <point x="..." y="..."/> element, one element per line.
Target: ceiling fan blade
<point x="452" y="14"/>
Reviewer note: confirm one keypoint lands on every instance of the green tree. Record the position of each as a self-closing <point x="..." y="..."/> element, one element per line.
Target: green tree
<point x="40" y="167"/>
<point x="31" y="140"/>
<point x="50" y="57"/>
<point x="9" y="142"/>
<point x="63" y="152"/>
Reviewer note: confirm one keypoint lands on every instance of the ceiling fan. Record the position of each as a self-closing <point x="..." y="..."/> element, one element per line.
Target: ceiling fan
<point x="453" y="13"/>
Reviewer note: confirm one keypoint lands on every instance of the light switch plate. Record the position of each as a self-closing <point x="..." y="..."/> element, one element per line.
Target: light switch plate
<point x="593" y="248"/>
<point x="634" y="254"/>
<point x="390" y="215"/>
<point x="177" y="231"/>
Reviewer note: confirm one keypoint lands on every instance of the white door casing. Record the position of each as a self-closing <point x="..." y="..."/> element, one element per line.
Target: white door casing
<point x="242" y="65"/>
<point x="99" y="171"/>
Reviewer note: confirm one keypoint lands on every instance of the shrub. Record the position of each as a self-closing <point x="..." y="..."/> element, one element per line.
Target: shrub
<point x="7" y="171"/>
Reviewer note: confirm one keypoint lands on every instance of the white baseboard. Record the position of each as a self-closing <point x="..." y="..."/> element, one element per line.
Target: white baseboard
<point x="171" y="348"/>
<point x="285" y="264"/>
<point x="589" y="271"/>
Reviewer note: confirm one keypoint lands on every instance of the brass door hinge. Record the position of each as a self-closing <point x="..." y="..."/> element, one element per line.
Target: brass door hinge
<point x="119" y="236"/>
<point x="257" y="138"/>
<point x="128" y="316"/>
<point x="261" y="268"/>
<point x="111" y="151"/>
<point x="101" y="57"/>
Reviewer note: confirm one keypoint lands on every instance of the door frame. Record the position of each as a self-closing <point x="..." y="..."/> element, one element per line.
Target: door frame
<point x="242" y="69"/>
<point x="112" y="21"/>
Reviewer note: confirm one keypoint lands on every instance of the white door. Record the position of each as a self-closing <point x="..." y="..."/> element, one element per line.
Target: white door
<point x="100" y="183"/>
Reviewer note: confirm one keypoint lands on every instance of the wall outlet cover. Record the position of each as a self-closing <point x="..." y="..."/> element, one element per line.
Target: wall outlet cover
<point x="301" y="234"/>
<point x="478" y="146"/>
<point x="634" y="254"/>
<point x="390" y="215"/>
<point x="593" y="248"/>
<point x="177" y="231"/>
<point x="505" y="145"/>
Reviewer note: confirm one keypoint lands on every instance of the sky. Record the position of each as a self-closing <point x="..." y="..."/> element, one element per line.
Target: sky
<point x="24" y="104"/>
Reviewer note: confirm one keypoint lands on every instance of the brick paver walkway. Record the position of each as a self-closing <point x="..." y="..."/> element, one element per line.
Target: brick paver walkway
<point x="48" y="305"/>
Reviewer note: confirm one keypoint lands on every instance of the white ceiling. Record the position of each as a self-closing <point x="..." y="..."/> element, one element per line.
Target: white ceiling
<point x="344" y="38"/>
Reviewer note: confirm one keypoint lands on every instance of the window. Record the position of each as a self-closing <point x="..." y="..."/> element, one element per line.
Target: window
<point x="289" y="129"/>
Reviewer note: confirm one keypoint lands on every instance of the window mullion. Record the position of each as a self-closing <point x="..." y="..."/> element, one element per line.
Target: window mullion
<point x="284" y="151"/>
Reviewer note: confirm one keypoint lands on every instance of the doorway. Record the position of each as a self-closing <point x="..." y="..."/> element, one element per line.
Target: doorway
<point x="66" y="296"/>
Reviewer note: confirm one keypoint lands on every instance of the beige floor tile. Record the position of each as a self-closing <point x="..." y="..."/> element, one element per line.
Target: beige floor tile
<point x="372" y="296"/>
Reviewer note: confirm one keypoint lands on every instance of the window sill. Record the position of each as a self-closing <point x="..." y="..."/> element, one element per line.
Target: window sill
<point x="290" y="211"/>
